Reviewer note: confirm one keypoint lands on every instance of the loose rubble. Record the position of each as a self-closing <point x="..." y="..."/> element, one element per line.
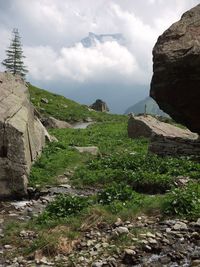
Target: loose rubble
<point x="151" y="242"/>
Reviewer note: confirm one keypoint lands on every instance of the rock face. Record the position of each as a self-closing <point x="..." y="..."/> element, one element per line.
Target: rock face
<point x="22" y="136"/>
<point x="165" y="139"/>
<point x="176" y="66"/>
<point x="100" y="105"/>
<point x="51" y="122"/>
<point x="167" y="146"/>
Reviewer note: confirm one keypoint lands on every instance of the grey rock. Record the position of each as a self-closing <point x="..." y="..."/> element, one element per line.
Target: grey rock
<point x="44" y="100"/>
<point x="165" y="138"/>
<point x="90" y="149"/>
<point x="129" y="251"/>
<point x="97" y="264"/>
<point x="100" y="105"/>
<point x="22" y="136"/>
<point x="122" y="230"/>
<point x="51" y="122"/>
<point x="180" y="226"/>
<point x="176" y="58"/>
<point x="7" y="246"/>
<point x="195" y="263"/>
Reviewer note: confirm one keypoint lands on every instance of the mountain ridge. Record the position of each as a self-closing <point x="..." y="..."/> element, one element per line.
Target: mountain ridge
<point x="147" y="105"/>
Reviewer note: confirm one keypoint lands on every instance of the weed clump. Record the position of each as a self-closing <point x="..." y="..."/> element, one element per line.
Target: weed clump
<point x="184" y="202"/>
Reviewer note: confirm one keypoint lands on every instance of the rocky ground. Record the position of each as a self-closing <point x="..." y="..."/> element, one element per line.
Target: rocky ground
<point x="150" y="241"/>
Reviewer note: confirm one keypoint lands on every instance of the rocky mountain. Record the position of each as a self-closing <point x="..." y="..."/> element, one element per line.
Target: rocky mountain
<point x="151" y="108"/>
<point x="93" y="38"/>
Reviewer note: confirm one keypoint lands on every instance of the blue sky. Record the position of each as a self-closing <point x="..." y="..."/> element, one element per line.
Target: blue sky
<point x="51" y="31"/>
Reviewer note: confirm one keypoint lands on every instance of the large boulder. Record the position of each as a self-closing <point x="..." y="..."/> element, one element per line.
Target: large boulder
<point x="148" y="126"/>
<point x="22" y="136"/>
<point x="165" y="139"/>
<point x="100" y="105"/>
<point x="51" y="122"/>
<point x="175" y="84"/>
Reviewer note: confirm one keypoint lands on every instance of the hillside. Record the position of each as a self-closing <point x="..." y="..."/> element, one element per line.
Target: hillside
<point x="118" y="207"/>
<point x="151" y="108"/>
<point x="65" y="109"/>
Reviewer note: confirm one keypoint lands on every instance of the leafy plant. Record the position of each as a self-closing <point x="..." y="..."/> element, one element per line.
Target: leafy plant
<point x="63" y="206"/>
<point x="120" y="192"/>
<point x="184" y="202"/>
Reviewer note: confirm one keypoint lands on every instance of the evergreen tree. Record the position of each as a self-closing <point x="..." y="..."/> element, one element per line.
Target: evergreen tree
<point x="14" y="61"/>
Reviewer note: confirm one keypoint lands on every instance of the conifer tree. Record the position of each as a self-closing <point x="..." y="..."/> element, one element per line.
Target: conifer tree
<point x="14" y="61"/>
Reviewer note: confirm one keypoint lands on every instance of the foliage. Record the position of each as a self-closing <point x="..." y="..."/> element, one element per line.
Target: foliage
<point x="184" y="202"/>
<point x="14" y="63"/>
<point x="120" y="192"/>
<point x="63" y="206"/>
<point x="145" y="173"/>
<point x="59" y="156"/>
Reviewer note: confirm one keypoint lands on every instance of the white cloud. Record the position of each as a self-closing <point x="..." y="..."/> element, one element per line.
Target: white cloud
<point x="49" y="28"/>
<point x="108" y="62"/>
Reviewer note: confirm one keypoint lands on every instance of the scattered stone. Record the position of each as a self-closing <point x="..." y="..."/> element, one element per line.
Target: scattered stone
<point x="165" y="260"/>
<point x="7" y="246"/>
<point x="44" y="100"/>
<point x="122" y="230"/>
<point x="118" y="222"/>
<point x="180" y="226"/>
<point x="198" y="222"/>
<point x="152" y="241"/>
<point x="51" y="122"/>
<point x="129" y="251"/>
<point x="90" y="149"/>
<point x="195" y="263"/>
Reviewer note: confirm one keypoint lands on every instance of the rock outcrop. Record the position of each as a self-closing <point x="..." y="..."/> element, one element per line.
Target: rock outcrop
<point x="176" y="66"/>
<point x="22" y="136"/>
<point x="51" y="122"/>
<point x="100" y="105"/>
<point x="165" y="139"/>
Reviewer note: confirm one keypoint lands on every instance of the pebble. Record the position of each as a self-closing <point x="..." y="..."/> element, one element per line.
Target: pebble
<point x="122" y="230"/>
<point x="196" y="263"/>
<point x="129" y="251"/>
<point x="7" y="246"/>
<point x="97" y="264"/>
<point x="180" y="226"/>
<point x="152" y="241"/>
<point x="118" y="222"/>
<point x="148" y="234"/>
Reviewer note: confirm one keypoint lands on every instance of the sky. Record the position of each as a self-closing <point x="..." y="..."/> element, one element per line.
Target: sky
<point x="51" y="31"/>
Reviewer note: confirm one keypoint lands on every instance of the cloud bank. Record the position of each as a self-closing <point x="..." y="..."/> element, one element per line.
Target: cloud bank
<point x="51" y="32"/>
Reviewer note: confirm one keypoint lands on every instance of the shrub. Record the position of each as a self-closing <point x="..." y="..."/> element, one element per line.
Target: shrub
<point x="64" y="206"/>
<point x="184" y="202"/>
<point x="115" y="192"/>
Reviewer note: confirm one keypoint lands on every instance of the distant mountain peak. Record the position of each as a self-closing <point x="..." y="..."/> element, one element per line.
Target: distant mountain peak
<point x="147" y="104"/>
<point x="92" y="39"/>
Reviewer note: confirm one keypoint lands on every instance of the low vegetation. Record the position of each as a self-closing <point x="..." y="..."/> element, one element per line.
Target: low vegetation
<point x="65" y="109"/>
<point x="129" y="180"/>
<point x="121" y="159"/>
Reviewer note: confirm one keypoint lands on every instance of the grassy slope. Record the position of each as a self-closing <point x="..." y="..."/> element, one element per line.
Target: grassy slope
<point x="65" y="109"/>
<point x="122" y="161"/>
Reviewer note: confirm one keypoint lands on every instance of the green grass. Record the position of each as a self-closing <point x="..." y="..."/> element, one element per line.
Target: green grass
<point x="58" y="156"/>
<point x="124" y="172"/>
<point x="65" y="109"/>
